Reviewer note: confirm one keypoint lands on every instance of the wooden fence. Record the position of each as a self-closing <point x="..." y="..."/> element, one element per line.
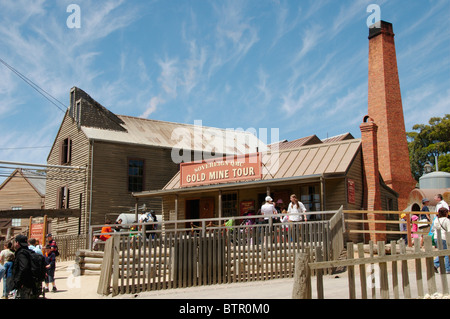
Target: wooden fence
<point x="69" y="245"/>
<point x="385" y="224"/>
<point x="176" y="257"/>
<point x="376" y="279"/>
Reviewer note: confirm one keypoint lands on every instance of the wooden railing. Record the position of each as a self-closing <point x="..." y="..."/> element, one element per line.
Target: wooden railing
<point x="69" y="245"/>
<point x="390" y="226"/>
<point x="374" y="274"/>
<point x="213" y="253"/>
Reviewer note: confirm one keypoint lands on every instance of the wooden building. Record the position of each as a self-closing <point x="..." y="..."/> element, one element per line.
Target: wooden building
<point x="23" y="189"/>
<point x="118" y="155"/>
<point x="323" y="175"/>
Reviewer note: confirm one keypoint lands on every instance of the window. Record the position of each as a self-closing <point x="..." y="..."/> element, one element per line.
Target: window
<point x="229" y="205"/>
<point x="65" y="155"/>
<point x="135" y="175"/>
<point x="16" y="222"/>
<point x="310" y="197"/>
<point x="77" y="112"/>
<point x="63" y="198"/>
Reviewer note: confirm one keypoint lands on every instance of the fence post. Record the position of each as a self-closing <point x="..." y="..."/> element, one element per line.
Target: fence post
<point x="104" y="282"/>
<point x="302" y="277"/>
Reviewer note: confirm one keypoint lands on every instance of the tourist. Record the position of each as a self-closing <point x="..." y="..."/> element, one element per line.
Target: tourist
<point x="440" y="202"/>
<point x="403" y="228"/>
<point x="52" y="242"/>
<point x="21" y="270"/>
<point x="424" y="220"/>
<point x="50" y="260"/>
<point x="106" y="230"/>
<point x="268" y="209"/>
<point x="7" y="277"/>
<point x="441" y="225"/>
<point x="33" y="247"/>
<point x="296" y="210"/>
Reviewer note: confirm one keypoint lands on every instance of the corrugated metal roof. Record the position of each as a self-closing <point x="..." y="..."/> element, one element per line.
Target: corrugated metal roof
<point x="311" y="160"/>
<point x="341" y="137"/>
<point x="308" y="140"/>
<point x="176" y="135"/>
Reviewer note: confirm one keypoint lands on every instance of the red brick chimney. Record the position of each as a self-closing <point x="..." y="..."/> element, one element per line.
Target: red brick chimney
<point x="386" y="110"/>
<point x="372" y="178"/>
<point x="370" y="156"/>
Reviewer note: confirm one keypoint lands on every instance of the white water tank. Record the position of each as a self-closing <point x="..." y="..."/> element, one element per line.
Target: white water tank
<point x="435" y="180"/>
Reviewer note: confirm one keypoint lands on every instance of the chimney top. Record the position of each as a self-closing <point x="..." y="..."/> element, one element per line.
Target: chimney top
<point x="380" y="27"/>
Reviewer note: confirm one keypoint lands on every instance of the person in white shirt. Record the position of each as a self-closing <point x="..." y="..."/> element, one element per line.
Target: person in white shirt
<point x="441" y="224"/>
<point x="296" y="210"/>
<point x="440" y="202"/>
<point x="268" y="208"/>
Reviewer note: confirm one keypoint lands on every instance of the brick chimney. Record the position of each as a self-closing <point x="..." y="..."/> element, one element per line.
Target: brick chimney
<point x="386" y="110"/>
<point x="372" y="178"/>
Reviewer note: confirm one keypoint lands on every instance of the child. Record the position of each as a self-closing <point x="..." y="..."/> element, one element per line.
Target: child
<point x="50" y="260"/>
<point x="7" y="277"/>
<point x="403" y="227"/>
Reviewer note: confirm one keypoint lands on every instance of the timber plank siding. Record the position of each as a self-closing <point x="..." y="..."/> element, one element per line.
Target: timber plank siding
<point x="110" y="195"/>
<point x="16" y="191"/>
<point x="110" y="176"/>
<point x="77" y="183"/>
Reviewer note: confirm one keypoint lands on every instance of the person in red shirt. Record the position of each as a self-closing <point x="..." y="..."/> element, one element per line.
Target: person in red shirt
<point x="106" y="229"/>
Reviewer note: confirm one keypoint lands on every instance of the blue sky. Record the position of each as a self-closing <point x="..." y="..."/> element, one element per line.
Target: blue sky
<point x="299" y="66"/>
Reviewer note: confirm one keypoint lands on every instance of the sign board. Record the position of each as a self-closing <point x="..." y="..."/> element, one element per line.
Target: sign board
<point x="224" y="170"/>
<point x="351" y="191"/>
<point x="37" y="230"/>
<point x="246" y="205"/>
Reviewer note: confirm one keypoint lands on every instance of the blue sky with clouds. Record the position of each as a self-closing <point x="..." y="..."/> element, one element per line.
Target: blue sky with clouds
<point x="296" y="65"/>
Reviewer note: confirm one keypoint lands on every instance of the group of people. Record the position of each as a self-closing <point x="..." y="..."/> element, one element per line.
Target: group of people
<point x="109" y="228"/>
<point x="422" y="223"/>
<point x="296" y="210"/>
<point x="16" y="267"/>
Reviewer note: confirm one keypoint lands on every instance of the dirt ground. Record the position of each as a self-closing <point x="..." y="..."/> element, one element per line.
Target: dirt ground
<point x="335" y="287"/>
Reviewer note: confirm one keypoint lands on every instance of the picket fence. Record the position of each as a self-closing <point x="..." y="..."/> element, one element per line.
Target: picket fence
<point x="211" y="253"/>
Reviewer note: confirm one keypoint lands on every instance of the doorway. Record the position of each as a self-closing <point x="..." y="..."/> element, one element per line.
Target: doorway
<point x="199" y="209"/>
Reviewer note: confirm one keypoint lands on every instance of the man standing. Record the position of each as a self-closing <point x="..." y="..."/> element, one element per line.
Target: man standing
<point x="21" y="270"/>
<point x="268" y="209"/>
<point x="52" y="243"/>
<point x="440" y="202"/>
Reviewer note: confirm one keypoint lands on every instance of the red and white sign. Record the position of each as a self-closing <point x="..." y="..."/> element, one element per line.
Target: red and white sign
<point x="225" y="170"/>
<point x="37" y="231"/>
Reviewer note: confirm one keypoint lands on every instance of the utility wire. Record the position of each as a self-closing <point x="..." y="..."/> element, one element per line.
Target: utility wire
<point x="41" y="91"/>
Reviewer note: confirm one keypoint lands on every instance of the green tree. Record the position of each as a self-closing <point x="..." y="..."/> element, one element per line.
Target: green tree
<point x="427" y="142"/>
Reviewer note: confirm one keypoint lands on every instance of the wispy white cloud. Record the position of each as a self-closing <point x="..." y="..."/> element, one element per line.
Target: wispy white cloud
<point x="152" y="106"/>
<point x="169" y="78"/>
<point x="235" y="34"/>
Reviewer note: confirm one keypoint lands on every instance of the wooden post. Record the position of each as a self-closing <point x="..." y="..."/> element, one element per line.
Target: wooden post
<point x="408" y="229"/>
<point x="136" y="209"/>
<point x="383" y="271"/>
<point x="44" y="232"/>
<point x="302" y="277"/>
<point x="220" y="203"/>
<point x="405" y="276"/>
<point x="362" y="272"/>
<point x="351" y="272"/>
<point x="104" y="283"/>
<point x="29" y="227"/>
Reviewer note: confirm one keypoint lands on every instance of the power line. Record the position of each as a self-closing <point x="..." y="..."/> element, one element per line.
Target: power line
<point x="41" y="91"/>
